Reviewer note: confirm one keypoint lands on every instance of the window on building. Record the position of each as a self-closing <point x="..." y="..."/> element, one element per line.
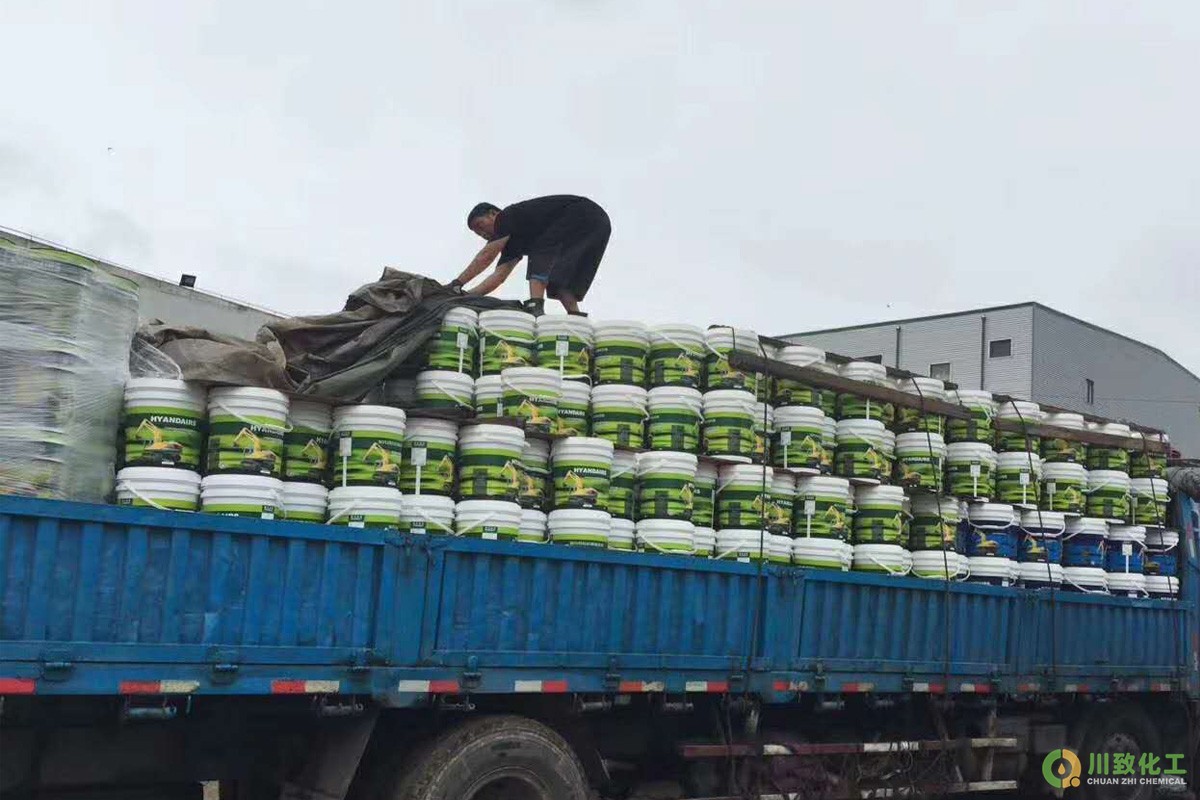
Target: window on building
<point x="1090" y="389"/>
<point x="876" y="359"/>
<point x="940" y="371"/>
<point x="1000" y="348"/>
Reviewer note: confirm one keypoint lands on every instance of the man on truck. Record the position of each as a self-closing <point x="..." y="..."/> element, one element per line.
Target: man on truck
<point x="563" y="236"/>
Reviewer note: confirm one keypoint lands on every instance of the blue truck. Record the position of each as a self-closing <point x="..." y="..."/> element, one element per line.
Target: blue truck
<point x="144" y="652"/>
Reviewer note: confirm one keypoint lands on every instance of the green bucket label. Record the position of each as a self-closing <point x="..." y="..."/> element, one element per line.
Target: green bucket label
<point x="430" y="397"/>
<point x="918" y="471"/>
<point x="828" y="451"/>
<point x="1108" y="458"/>
<point x="1017" y="486"/>
<point x="253" y="447"/>
<point x="859" y="459"/>
<point x="728" y="434"/>
<point x="1063" y="450"/>
<point x="911" y="420"/>
<point x="579" y="484"/>
<point x="453" y="349"/>
<point x="257" y="511"/>
<point x="493" y="533"/>
<point x="976" y="429"/>
<point x="366" y="457"/>
<point x="620" y="500"/>
<point x="718" y="374"/>
<point x="433" y="462"/>
<point x="1147" y="465"/>
<point x="562" y="352"/>
<point x="1064" y="495"/>
<point x="305" y="516"/>
<point x="797" y="448"/>
<point x="162" y="437"/>
<point x="742" y="507"/>
<point x="674" y="430"/>
<point x="489" y="408"/>
<point x="1108" y="503"/>
<point x="535" y="487"/>
<point x="626" y="547"/>
<point x="970" y="479"/>
<point x="673" y="366"/>
<point x="666" y="496"/>
<point x="490" y="474"/>
<point x="1016" y="442"/>
<point x="1147" y="512"/>
<point x="851" y="406"/>
<point x="623" y="427"/>
<point x="540" y="412"/>
<point x="829" y="401"/>
<point x="365" y="521"/>
<point x="878" y="525"/>
<point x="159" y="502"/>
<point x="932" y="533"/>
<point x="779" y="513"/>
<point x="499" y="350"/>
<point x="703" y="505"/>
<point x="572" y="420"/>
<point x="794" y="393"/>
<point x="306" y="455"/>
<point x="619" y="363"/>
<point x="821" y="517"/>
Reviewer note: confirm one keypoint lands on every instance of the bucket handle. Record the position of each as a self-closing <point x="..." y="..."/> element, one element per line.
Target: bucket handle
<point x="147" y="500"/>
<point x="641" y="540"/>
<point x="889" y="570"/>
<point x="682" y="346"/>
<point x="973" y="526"/>
<point x="644" y="408"/>
<point x="349" y="507"/>
<point x="285" y="429"/>
<point x="736" y="549"/>
<point x="482" y="521"/>
<point x="450" y="394"/>
<point x="1084" y="589"/>
<point x="425" y="516"/>
<point x="1046" y="534"/>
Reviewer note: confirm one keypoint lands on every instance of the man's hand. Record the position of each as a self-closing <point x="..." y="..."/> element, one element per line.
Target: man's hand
<point x="455" y="286"/>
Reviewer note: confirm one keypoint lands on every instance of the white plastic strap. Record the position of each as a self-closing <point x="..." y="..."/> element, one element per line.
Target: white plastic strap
<point x="124" y="485"/>
<point x="425" y="516"/>
<point x="450" y="394"/>
<point x="285" y="429"/>
<point x="350" y="507"/>
<point x="482" y="521"/>
<point x="902" y="571"/>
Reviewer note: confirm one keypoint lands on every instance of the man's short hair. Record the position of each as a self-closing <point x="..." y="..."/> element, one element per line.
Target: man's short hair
<point x="480" y="210"/>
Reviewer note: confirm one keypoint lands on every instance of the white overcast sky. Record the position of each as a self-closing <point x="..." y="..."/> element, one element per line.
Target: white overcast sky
<point x="783" y="166"/>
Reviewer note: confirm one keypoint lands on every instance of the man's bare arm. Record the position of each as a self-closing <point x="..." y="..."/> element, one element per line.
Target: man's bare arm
<point x="482" y="260"/>
<point x="492" y="282"/>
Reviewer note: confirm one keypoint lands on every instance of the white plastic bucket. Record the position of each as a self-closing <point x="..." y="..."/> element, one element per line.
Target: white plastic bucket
<point x="670" y="536"/>
<point x="1018" y="479"/>
<point x="306" y="443"/>
<point x="822" y="554"/>
<point x="828" y="444"/>
<point x="621" y="350"/>
<point x="822" y="508"/>
<point x="1039" y="575"/>
<point x="242" y="496"/>
<point x="581" y="468"/>
<point x="442" y="389"/>
<point x="428" y="514"/>
<point x="1142" y="462"/>
<point x="779" y="548"/>
<point x="619" y="414"/>
<point x="994" y="531"/>
<point x="705" y="541"/>
<point x="742" y="544"/>
<point x="368" y="445"/>
<point x="579" y="526"/>
<point x="782" y="501"/>
<point x="489" y="462"/>
<point x="622" y="535"/>
<point x="934" y="524"/>
<point x="887" y="559"/>
<point x="1064" y="487"/>
<point x="489" y="396"/>
<point x="506" y="339"/>
<point x="763" y="427"/>
<point x="797" y="444"/>
<point x="788" y="392"/>
<point x="574" y="409"/>
<point x="1108" y="495"/>
<point x="428" y="465"/>
<point x="165" y="488"/>
<point x="666" y="483"/>
<point x="533" y="526"/>
<point x="1041" y="536"/>
<point x="970" y="470"/>
<point x="246" y="426"/>
<point x="1084" y="542"/>
<point x="992" y="571"/>
<point x="1150" y="497"/>
<point x="1127" y="584"/>
<point x="488" y="519"/>
<point x="453" y="348"/>
<point x="305" y="502"/>
<point x="942" y="565"/>
<point x="564" y="345"/>
<point x="743" y="495"/>
<point x="675" y="413"/>
<point x="1125" y="550"/>
<point x="852" y="406"/>
<point x="622" y="485"/>
<point x="920" y="458"/>
<point x="720" y="341"/>
<point x="1020" y="412"/>
<point x="1061" y="448"/>
<point x="1162" y="586"/>
<point x="860" y="450"/>
<point x="535" y="474"/>
<point x="162" y="423"/>
<point x="1114" y="458"/>
<point x="728" y="428"/>
<point x="533" y="394"/>
<point x="364" y="506"/>
<point x="676" y="356"/>
<point x="1086" y="580"/>
<point x="704" y="503"/>
<point x="979" y="427"/>
<point x="879" y="515"/>
<point x="913" y="419"/>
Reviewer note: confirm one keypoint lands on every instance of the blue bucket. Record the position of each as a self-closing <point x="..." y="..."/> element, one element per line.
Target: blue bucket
<point x="1041" y="537"/>
<point x="994" y="531"/>
<point x="1125" y="550"/>
<point x="1165" y="564"/>
<point x="1083" y="543"/>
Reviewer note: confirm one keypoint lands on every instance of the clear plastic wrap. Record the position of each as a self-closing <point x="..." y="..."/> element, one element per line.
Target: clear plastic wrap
<point x="65" y="329"/>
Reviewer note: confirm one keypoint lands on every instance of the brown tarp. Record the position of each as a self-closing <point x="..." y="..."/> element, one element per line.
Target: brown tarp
<point x="340" y="356"/>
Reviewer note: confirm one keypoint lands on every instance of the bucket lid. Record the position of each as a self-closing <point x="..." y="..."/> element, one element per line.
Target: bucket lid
<point x="346" y="494"/>
<point x="461" y="315"/>
<point x="744" y="339"/>
<point x="1052" y="521"/>
<point x="541" y="377"/>
<point x="800" y="355"/>
<point x="500" y="319"/>
<point x="725" y="399"/>
<point x="730" y="537"/>
<point x="1087" y="526"/>
<point x="454" y="383"/>
<point x="564" y="324"/>
<point x="1066" y="419"/>
<point x="746" y="473"/>
<point x="929" y="387"/>
<point x="973" y="398"/>
<point x="682" y="335"/>
<point x="1019" y="461"/>
<point x="622" y="329"/>
<point x="990" y="567"/>
<point x="823" y="486"/>
<point x="623" y="461"/>
<point x="660" y="526"/>
<point x="920" y="443"/>
<point x="992" y="513"/>
<point x="440" y="430"/>
<point x="253" y="482"/>
<point x="866" y="371"/>
<point x="890" y="554"/>
<point x="704" y="535"/>
<point x="1127" y="581"/>
<point x="621" y="530"/>
<point x="1163" y="539"/>
<point x="488" y="384"/>
<point x="893" y="495"/>
<point x="348" y="416"/>
<point x="932" y="505"/>
<point x="1099" y="478"/>
<point x="668" y="396"/>
<point x="1127" y="533"/>
<point x="1040" y="572"/>
<point x="969" y="451"/>
<point x="1086" y="576"/>
<point x="411" y="503"/>
<point x="313" y="492"/>
<point x="1064" y="470"/>
<point x="1020" y="409"/>
<point x="187" y="394"/>
<point x="577" y="392"/>
<point x="229" y="394"/>
<point x="811" y="416"/>
<point x="1162" y="584"/>
<point x="1116" y="429"/>
<point x="870" y="429"/>
<point x="475" y="508"/>
<point x="571" y="516"/>
<point x="783" y="483"/>
<point x="666" y="461"/>
<point x="184" y="477"/>
<point x="585" y="446"/>
<point x="485" y="433"/>
<point x="619" y="393"/>
<point x="1150" y="487"/>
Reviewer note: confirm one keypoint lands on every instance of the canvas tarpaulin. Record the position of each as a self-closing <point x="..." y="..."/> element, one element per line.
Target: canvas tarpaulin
<point x="340" y="356"/>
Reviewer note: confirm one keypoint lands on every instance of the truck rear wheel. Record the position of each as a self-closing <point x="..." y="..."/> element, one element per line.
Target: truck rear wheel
<point x="494" y="758"/>
<point x="1125" y="729"/>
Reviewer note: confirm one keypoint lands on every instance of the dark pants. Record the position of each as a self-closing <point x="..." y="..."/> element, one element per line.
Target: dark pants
<point x="565" y="257"/>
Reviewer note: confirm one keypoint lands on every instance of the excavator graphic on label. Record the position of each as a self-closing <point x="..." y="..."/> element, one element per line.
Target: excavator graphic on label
<point x="687" y="367"/>
<point x="531" y="412"/>
<point x="508" y="354"/>
<point x="254" y="456"/>
<point x="581" y="493"/>
<point x="513" y="473"/>
<point x="315" y="454"/>
<point x="155" y="447"/>
<point x="386" y="470"/>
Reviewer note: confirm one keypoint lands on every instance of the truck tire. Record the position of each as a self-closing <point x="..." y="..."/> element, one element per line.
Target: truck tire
<point x="494" y="758"/>
<point x="1123" y="728"/>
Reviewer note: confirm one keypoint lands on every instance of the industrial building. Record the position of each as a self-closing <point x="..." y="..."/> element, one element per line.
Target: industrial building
<point x="1032" y="351"/>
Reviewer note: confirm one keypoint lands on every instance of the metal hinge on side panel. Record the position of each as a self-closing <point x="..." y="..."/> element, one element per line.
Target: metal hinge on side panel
<point x="224" y="665"/>
<point x="57" y="665"/>
<point x="471" y="676"/>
